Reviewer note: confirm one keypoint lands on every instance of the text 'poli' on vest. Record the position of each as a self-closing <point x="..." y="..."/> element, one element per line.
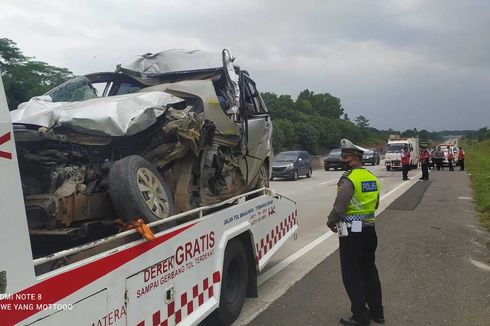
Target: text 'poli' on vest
<point x="368" y="186"/>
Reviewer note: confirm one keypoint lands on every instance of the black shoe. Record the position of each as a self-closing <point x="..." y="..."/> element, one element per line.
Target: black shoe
<point x="421" y="179"/>
<point x="351" y="321"/>
<point x="379" y="320"/>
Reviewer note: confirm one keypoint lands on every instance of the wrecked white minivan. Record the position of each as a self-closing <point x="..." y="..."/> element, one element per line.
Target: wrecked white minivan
<point x="163" y="134"/>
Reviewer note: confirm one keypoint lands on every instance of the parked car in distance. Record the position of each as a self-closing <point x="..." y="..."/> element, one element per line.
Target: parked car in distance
<point x="292" y="165"/>
<point x="332" y="160"/>
<point x="371" y="156"/>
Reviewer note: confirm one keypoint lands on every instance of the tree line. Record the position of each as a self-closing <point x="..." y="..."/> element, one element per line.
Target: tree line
<point x="23" y="77"/>
<point x="317" y="122"/>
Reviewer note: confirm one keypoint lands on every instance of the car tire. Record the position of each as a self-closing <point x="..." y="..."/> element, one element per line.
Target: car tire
<point x="272" y="178"/>
<point x="310" y="172"/>
<point x="233" y="284"/>
<point x="263" y="177"/>
<point x="138" y="190"/>
<point x="388" y="168"/>
<point x="295" y="176"/>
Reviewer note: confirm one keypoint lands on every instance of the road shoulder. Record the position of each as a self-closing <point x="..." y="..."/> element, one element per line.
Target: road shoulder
<point x="433" y="263"/>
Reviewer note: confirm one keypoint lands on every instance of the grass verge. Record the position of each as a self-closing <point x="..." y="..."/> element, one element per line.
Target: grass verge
<point x="477" y="162"/>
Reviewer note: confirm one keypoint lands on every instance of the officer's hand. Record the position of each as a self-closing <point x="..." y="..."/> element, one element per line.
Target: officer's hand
<point x="332" y="226"/>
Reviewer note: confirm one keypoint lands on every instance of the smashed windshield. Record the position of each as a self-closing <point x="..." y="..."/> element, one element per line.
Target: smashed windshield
<point x="74" y="90"/>
<point x="395" y="148"/>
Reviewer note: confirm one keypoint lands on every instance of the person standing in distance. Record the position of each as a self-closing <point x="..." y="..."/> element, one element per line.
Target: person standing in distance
<point x="352" y="216"/>
<point x="405" y="163"/>
<point x="461" y="159"/>
<point x="424" y="158"/>
<point x="450" y="158"/>
<point x="439" y="159"/>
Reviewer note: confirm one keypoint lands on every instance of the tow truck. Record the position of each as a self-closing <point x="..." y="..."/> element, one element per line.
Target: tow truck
<point x="194" y="265"/>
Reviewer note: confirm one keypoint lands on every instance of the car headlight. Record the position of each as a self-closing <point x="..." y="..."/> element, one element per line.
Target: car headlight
<point x="290" y="166"/>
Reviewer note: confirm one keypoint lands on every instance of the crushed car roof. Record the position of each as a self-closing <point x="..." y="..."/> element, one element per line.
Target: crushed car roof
<point x="152" y="64"/>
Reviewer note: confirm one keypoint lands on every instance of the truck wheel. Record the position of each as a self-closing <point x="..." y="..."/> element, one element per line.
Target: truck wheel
<point x="138" y="190"/>
<point x="234" y="284"/>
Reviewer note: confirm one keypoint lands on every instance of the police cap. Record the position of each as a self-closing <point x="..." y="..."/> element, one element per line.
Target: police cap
<point x="349" y="147"/>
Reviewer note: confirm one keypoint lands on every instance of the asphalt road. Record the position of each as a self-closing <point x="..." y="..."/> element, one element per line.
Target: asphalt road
<point x="432" y="258"/>
<point x="314" y="197"/>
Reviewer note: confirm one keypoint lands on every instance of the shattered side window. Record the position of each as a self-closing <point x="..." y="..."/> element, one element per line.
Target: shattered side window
<point x="74" y="90"/>
<point x="249" y="101"/>
<point x="127" y="88"/>
<point x="254" y="101"/>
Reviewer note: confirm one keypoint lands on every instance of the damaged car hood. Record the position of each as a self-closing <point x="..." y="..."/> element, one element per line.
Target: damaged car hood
<point x="115" y="116"/>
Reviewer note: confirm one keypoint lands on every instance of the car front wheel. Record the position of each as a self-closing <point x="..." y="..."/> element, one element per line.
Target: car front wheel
<point x="138" y="190"/>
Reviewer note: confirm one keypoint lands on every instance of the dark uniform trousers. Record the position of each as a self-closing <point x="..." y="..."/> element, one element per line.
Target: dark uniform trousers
<point x="425" y="170"/>
<point x="405" y="168"/>
<point x="359" y="273"/>
<point x="451" y="165"/>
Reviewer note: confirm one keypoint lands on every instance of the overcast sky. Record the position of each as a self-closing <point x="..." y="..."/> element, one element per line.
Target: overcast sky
<point x="403" y="64"/>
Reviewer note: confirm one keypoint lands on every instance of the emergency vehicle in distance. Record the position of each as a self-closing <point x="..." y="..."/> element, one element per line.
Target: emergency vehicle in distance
<point x="204" y="264"/>
<point x="394" y="150"/>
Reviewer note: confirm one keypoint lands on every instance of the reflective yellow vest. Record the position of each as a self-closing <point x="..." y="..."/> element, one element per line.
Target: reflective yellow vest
<point x="365" y="196"/>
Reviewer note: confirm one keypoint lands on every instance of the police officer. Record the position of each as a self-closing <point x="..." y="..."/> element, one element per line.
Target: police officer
<point x="424" y="158"/>
<point x="405" y="163"/>
<point x="353" y="217"/>
<point x="461" y="159"/>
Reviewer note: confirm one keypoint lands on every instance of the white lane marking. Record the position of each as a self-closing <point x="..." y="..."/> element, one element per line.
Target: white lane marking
<point x="329" y="181"/>
<point x="297" y="191"/>
<point x="480" y="265"/>
<point x="466" y="198"/>
<point x="298" y="254"/>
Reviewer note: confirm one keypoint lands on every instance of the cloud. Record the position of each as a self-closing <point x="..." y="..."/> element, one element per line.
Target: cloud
<point x="402" y="64"/>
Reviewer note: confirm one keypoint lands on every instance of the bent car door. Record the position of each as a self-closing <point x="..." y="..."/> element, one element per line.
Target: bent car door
<point x="259" y="128"/>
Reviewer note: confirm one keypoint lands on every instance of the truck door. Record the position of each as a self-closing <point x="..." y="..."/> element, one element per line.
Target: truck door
<point x="149" y="295"/>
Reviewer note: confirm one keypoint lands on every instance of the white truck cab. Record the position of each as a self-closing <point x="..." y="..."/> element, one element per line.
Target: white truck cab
<point x="394" y="150"/>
